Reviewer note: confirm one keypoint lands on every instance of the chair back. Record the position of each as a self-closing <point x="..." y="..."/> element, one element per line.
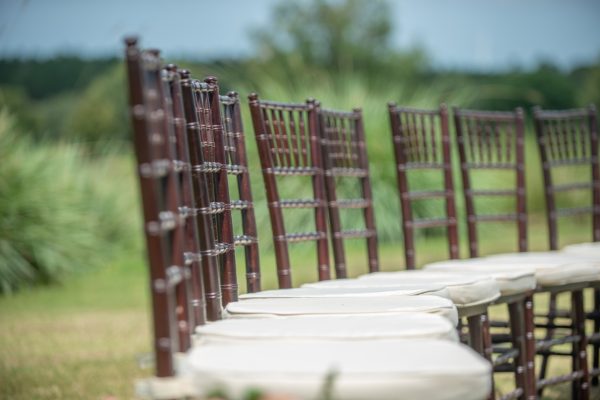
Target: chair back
<point x="160" y="174"/>
<point x="204" y="133"/>
<point x="288" y="144"/>
<point x="492" y="141"/>
<point x="568" y="138"/>
<point x="237" y="165"/>
<point x="421" y="142"/>
<point x="344" y="154"/>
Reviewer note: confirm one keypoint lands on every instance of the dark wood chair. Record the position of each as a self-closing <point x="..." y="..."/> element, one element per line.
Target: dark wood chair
<point x="193" y="224"/>
<point x="237" y="164"/>
<point x="421" y="140"/>
<point x="422" y="143"/>
<point x="205" y="138"/>
<point x="288" y="145"/>
<point x="567" y="139"/>
<point x="203" y="114"/>
<point x="494" y="141"/>
<point x="344" y="155"/>
<point x="217" y="137"/>
<point x="168" y="235"/>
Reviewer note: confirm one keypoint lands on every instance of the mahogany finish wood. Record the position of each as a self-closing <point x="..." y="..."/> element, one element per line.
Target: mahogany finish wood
<point x="421" y="141"/>
<point x="204" y="206"/>
<point x="237" y="165"/>
<point x="160" y="175"/>
<point x="176" y="115"/>
<point x="567" y="138"/>
<point x="344" y="153"/>
<point x="288" y="144"/>
<point x="492" y="140"/>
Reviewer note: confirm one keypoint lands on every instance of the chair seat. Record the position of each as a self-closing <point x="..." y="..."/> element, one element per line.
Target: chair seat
<point x="510" y="281"/>
<point x="404" y="369"/>
<point x="304" y="292"/>
<point x="550" y="269"/>
<point x="328" y="327"/>
<point x="464" y="291"/>
<point x="555" y="268"/>
<point x="386" y="305"/>
<point x="591" y="249"/>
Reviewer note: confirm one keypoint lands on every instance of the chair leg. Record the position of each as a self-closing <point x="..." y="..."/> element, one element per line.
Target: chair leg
<point x="596" y="345"/>
<point x="549" y="335"/>
<point x="475" y="333"/>
<point x="517" y="331"/>
<point x="461" y="335"/>
<point x="481" y="340"/>
<point x="530" y="348"/>
<point x="580" y="387"/>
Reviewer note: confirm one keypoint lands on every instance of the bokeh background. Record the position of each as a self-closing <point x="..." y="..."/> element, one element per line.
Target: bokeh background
<point x="73" y="301"/>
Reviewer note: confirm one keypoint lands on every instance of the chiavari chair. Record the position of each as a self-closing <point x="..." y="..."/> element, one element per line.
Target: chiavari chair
<point x="568" y="139"/>
<point x="345" y="161"/>
<point x="422" y="143"/>
<point x="204" y="120"/>
<point x="177" y="301"/>
<point x="237" y="164"/>
<point x="287" y="140"/>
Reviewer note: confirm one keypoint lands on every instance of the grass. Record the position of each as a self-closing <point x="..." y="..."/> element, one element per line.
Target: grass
<point x="84" y="338"/>
<point x="79" y="340"/>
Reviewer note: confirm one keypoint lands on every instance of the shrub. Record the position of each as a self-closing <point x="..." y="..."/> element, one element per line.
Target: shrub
<point x="59" y="212"/>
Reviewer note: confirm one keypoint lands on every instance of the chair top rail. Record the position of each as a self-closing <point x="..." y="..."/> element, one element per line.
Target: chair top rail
<point x="485" y="114"/>
<point x="560" y="114"/>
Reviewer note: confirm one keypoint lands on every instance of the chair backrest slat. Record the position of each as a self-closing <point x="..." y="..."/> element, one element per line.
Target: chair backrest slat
<point x="492" y="140"/>
<point x="345" y="160"/>
<point x="423" y="147"/>
<point x="568" y="138"/>
<point x="277" y="127"/>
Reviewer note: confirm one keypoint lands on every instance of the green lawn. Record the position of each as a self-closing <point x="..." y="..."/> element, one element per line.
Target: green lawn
<point x="84" y="339"/>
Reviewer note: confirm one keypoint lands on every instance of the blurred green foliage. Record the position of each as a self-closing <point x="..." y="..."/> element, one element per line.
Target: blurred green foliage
<point x="61" y="212"/>
<point x="101" y="109"/>
<point x="44" y="78"/>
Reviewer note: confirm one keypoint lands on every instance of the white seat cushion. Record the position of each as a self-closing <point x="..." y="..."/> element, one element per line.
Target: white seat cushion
<point x="304" y="292"/>
<point x="553" y="268"/>
<point x="387" y="305"/>
<point x="328" y="327"/>
<point x="464" y="290"/>
<point x="384" y="370"/>
<point x="591" y="249"/>
<point x="549" y="269"/>
<point x="510" y="280"/>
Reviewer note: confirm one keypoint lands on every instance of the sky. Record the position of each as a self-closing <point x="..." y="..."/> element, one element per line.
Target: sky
<point x="472" y="34"/>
